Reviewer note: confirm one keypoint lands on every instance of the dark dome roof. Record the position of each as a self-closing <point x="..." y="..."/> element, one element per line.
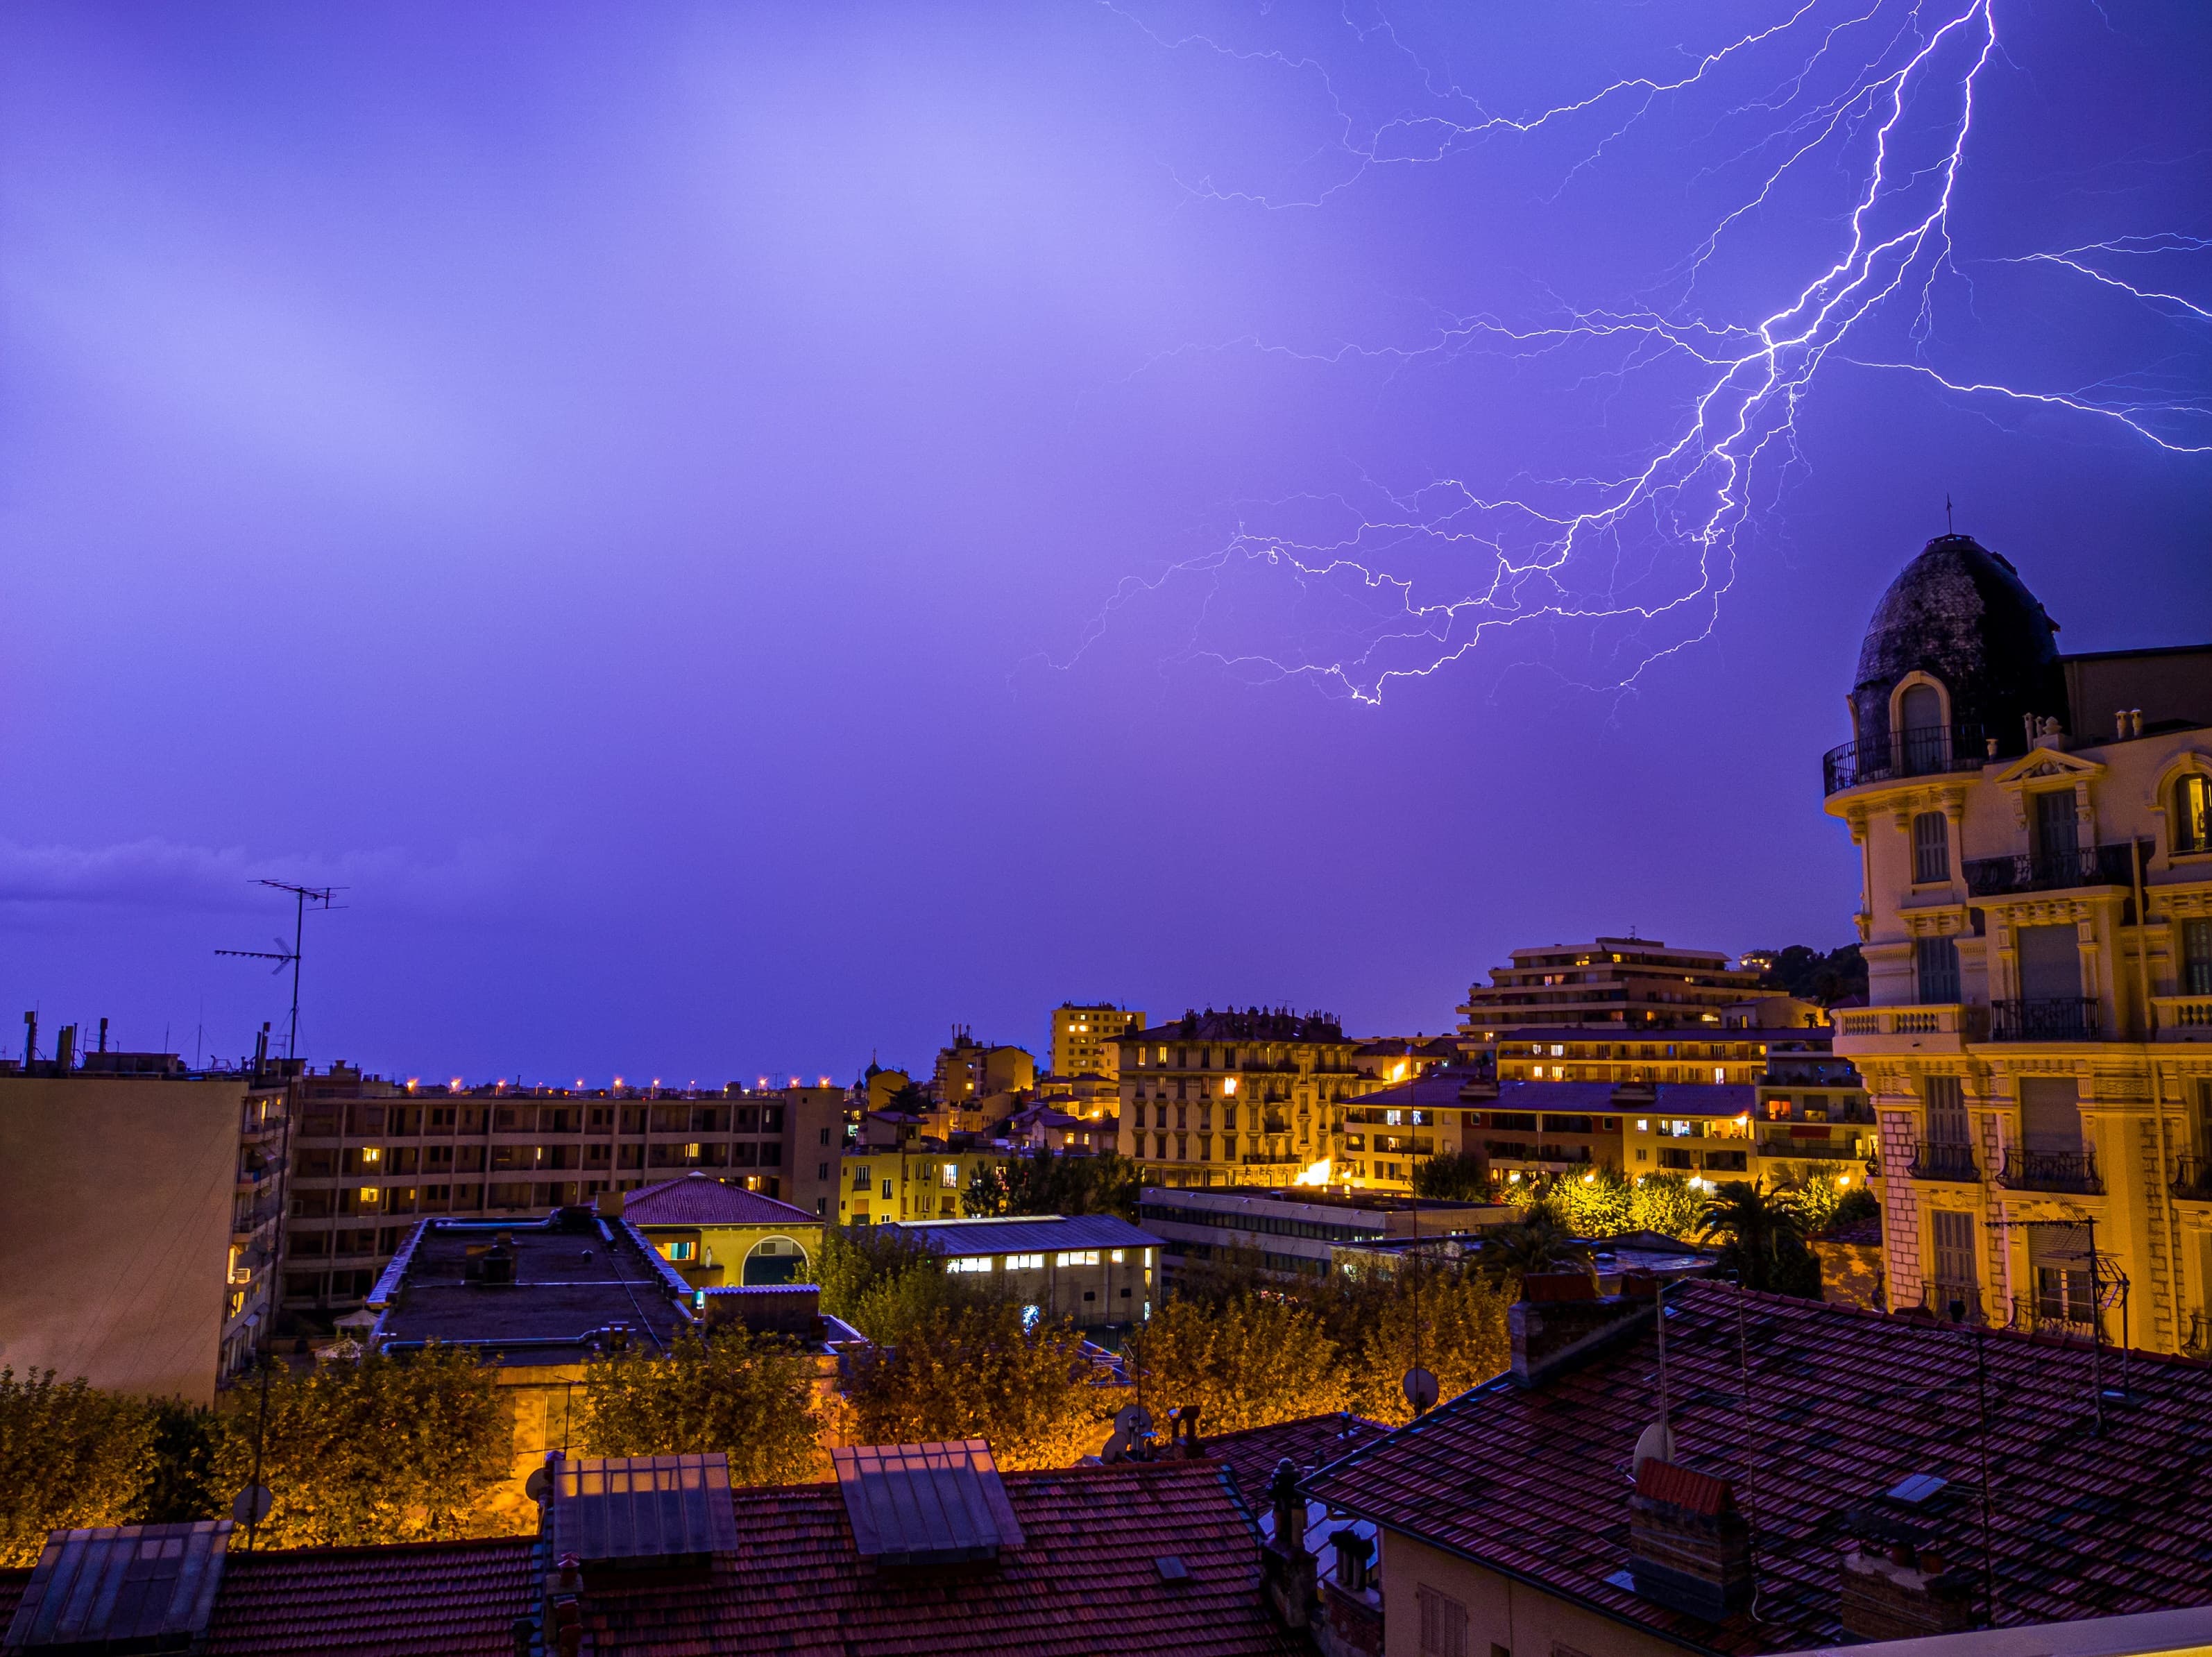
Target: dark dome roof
<point x="1961" y="613"/>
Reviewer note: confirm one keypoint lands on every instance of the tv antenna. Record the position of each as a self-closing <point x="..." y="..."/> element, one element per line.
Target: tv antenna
<point x="320" y="896"/>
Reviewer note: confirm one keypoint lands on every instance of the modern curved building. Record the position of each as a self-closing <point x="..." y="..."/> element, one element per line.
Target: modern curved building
<point x="2035" y="831"/>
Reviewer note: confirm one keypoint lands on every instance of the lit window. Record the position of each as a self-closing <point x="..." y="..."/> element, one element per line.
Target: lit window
<point x="682" y="1250"/>
<point x="953" y="1173"/>
<point x="371" y="1154"/>
<point x="368" y="1196"/>
<point x="970" y="1263"/>
<point x="2192" y="813"/>
<point x="1078" y="1257"/>
<point x="1024" y="1262"/>
<point x="1644" y="1126"/>
<point x="1115" y="1257"/>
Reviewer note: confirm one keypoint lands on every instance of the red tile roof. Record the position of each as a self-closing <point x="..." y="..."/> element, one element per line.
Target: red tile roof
<point x="419" y="1599"/>
<point x="1842" y="1405"/>
<point x="1086" y="1579"/>
<point x="1310" y="1442"/>
<point x="696" y="1198"/>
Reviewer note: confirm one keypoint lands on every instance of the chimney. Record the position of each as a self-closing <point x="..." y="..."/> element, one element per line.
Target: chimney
<point x="1289" y="1582"/>
<point x="1903" y="1593"/>
<point x="1689" y="1548"/>
<point x="103" y="1035"/>
<point x="1353" y="1551"/>
<point x="30" y="1038"/>
<point x="1558" y="1325"/>
<point x="1182" y="1430"/>
<point x="611" y="1205"/>
<point x="65" y="1050"/>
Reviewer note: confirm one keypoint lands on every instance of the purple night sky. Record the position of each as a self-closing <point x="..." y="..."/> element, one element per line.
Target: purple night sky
<point x="743" y="536"/>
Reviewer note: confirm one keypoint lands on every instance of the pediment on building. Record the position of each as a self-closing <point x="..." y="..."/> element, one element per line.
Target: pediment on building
<point x="2040" y="763"/>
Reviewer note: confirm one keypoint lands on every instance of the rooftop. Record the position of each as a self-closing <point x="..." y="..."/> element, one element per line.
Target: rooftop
<point x="543" y="1292"/>
<point x="697" y="1198"/>
<point x="1087" y="1577"/>
<point x="1842" y="1406"/>
<point x="1251" y="1199"/>
<point x="1247" y="1025"/>
<point x="1025" y="1234"/>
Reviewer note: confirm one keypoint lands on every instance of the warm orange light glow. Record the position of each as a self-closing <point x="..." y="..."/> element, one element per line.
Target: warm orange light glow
<point x="1843" y="1179"/>
<point x="1587" y="1178"/>
<point x="1398" y="1074"/>
<point x="1229" y="1084"/>
<point x="1314" y="1174"/>
<point x="455" y="1084"/>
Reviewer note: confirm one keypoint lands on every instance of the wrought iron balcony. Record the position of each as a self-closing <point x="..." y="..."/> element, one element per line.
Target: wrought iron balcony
<point x="1921" y="751"/>
<point x="1942" y="1162"/>
<point x="1838" y="1150"/>
<point x="1959" y="1302"/>
<point x="2192" y="1179"/>
<point x="2072" y="1171"/>
<point x="2025" y="871"/>
<point x="2046" y="1314"/>
<point x="2052" y="1018"/>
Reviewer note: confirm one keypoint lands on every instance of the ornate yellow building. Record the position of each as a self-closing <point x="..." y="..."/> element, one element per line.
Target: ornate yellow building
<point x="1255" y="1097"/>
<point x="2036" y="837"/>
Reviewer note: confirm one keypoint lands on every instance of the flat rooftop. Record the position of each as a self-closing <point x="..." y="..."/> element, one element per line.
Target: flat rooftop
<point x="572" y="1279"/>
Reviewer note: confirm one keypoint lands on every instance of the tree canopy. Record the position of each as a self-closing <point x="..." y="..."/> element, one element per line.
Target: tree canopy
<point x="1055" y="1182"/>
<point x="69" y="1456"/>
<point x="1763" y="1239"/>
<point x="749" y="1396"/>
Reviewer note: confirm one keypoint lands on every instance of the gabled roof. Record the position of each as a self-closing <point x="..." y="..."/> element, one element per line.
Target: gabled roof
<point x="696" y="1198"/>
<point x="422" y="1599"/>
<point x="1843" y="1406"/>
<point x="1086" y="1579"/>
<point x="1028" y="1234"/>
<point x="124" y="1586"/>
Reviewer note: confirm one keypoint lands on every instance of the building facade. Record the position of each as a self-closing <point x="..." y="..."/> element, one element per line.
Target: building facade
<point x="1622" y="983"/>
<point x="1256" y="1097"/>
<point x="1086" y="1041"/>
<point x="140" y="1215"/>
<point x="371" y="1155"/>
<point x="2035" y="834"/>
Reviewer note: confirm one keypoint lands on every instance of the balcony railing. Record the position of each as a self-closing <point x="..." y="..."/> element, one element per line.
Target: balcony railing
<point x="2086" y="865"/>
<point x="1942" y="1162"/>
<point x="2192" y="1179"/>
<point x="1946" y="1018"/>
<point x="2197" y="1338"/>
<point x="1836" y="1150"/>
<point x="1956" y="1302"/>
<point x="1921" y="751"/>
<point x="2183" y="1018"/>
<point x="2051" y="1018"/>
<point x="2050" y="1170"/>
<point x="2046" y="1314"/>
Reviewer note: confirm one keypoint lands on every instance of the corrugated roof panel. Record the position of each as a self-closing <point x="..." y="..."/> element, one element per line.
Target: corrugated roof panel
<point x="120" y="1582"/>
<point x="642" y="1507"/>
<point x="1043" y="1235"/>
<point x="924" y="1503"/>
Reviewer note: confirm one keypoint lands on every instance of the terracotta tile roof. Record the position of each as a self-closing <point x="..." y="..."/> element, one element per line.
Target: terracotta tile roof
<point x="696" y="1198"/>
<point x="1085" y="1580"/>
<point x="1844" y="1404"/>
<point x="1311" y="1442"/>
<point x="422" y="1599"/>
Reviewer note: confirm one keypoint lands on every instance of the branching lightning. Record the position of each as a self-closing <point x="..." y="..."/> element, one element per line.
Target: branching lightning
<point x="1609" y="573"/>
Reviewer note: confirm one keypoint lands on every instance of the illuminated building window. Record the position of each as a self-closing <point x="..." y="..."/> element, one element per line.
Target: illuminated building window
<point x="1024" y="1262"/>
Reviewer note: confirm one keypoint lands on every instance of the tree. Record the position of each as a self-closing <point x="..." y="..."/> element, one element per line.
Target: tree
<point x="1451" y="1321"/>
<point x="750" y="1397"/>
<point x="69" y="1456"/>
<point x="981" y="1370"/>
<point x="1597" y="1202"/>
<point x="1764" y="1240"/>
<point x="1455" y="1176"/>
<point x="181" y="1488"/>
<point x="1666" y="1204"/>
<point x="854" y="1259"/>
<point x="1246" y="1362"/>
<point x="1810" y="975"/>
<point x="386" y="1449"/>
<point x="1542" y="1242"/>
<point x="1049" y="1182"/>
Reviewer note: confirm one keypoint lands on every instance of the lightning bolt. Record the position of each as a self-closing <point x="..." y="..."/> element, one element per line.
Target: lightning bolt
<point x="1609" y="573"/>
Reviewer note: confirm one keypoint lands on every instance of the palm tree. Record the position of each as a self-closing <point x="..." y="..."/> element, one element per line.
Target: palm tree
<point x="1764" y="1239"/>
<point x="1538" y="1244"/>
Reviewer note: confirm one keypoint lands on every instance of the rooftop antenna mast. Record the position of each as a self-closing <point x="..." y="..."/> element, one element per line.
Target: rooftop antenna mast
<point x="320" y="896"/>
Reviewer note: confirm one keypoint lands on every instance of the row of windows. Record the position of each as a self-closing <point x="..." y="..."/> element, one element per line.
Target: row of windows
<point x="359" y="1120"/>
<point x="1278" y="1225"/>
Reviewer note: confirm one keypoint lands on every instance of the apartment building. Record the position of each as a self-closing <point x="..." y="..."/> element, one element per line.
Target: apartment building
<point x="970" y="1071"/>
<point x="2035" y="833"/>
<point x="1728" y="1058"/>
<point x="1252" y="1097"/>
<point x="1619" y="983"/>
<point x="140" y="1217"/>
<point x="1086" y="1039"/>
<point x="909" y="1175"/>
<point x="372" y="1154"/>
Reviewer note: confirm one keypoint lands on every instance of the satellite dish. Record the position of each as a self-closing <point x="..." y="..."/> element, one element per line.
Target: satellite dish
<point x="1133" y="1422"/>
<point x="534" y="1486"/>
<point x="253" y="1504"/>
<point x="1421" y="1390"/>
<point x="1656" y="1444"/>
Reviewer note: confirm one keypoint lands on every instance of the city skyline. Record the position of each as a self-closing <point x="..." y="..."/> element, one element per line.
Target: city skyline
<point x="629" y="505"/>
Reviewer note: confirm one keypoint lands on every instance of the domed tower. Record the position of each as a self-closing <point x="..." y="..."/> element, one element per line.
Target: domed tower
<point x="1958" y="654"/>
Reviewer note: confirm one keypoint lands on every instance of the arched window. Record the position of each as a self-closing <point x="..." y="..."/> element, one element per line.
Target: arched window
<point x="2192" y="813"/>
<point x="1922" y="738"/>
<point x="1931" y="848"/>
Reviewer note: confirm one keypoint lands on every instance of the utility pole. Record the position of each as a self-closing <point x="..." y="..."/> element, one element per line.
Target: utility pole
<point x="302" y="897"/>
